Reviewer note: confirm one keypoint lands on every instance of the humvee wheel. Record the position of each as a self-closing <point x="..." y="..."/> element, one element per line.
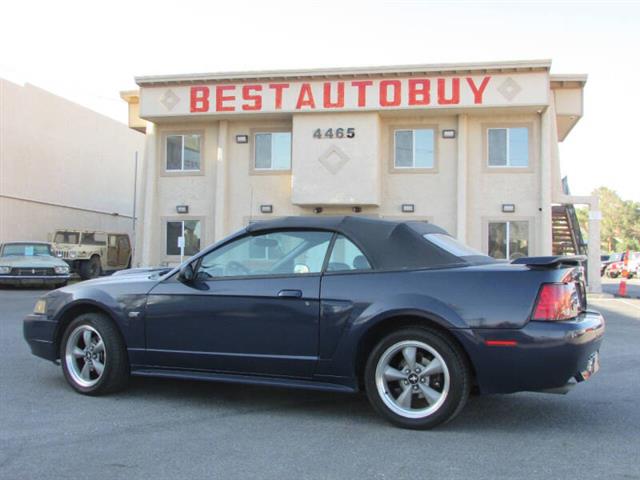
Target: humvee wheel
<point x="90" y="268"/>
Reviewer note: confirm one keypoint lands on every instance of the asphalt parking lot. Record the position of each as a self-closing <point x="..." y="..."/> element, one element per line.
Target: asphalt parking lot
<point x="181" y="430"/>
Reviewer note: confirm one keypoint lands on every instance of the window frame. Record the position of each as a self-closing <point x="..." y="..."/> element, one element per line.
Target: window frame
<point x="197" y="262"/>
<point x="201" y="255"/>
<point x="164" y="137"/>
<point x="532" y="151"/>
<point x="390" y="147"/>
<point x="269" y="131"/>
<point x="413" y="146"/>
<point x="169" y="257"/>
<point x="486" y="229"/>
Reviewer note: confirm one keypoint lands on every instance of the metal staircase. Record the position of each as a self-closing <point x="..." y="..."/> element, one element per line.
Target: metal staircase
<point x="566" y="233"/>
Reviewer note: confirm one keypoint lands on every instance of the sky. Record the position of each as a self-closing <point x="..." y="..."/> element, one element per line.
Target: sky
<point x="89" y="51"/>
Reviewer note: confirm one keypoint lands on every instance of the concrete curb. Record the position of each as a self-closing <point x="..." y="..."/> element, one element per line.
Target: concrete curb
<point x="599" y="295"/>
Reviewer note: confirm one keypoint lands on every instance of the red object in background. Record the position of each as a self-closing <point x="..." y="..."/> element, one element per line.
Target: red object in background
<point x="622" y="288"/>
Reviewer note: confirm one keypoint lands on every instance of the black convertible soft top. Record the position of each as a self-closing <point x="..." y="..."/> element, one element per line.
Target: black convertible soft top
<point x="388" y="244"/>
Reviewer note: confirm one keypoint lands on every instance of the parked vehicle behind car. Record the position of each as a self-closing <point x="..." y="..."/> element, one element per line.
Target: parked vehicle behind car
<point x="31" y="263"/>
<point x="91" y="253"/>
<point x="604" y="262"/>
<point x="616" y="265"/>
<point x="399" y="309"/>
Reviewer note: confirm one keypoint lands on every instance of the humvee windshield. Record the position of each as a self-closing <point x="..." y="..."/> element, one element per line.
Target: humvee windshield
<point x="66" y="237"/>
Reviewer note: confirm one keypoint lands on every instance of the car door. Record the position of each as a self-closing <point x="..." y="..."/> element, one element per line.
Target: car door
<point x="123" y="250"/>
<point x="253" y="307"/>
<point x="112" y="250"/>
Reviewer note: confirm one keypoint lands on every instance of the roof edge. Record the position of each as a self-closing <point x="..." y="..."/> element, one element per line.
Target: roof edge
<point x="526" y="65"/>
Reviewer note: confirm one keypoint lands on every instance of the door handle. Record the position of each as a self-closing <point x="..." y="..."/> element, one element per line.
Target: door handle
<point x="290" y="293"/>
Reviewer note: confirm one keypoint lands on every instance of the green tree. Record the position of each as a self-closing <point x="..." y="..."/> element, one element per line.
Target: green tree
<point x="620" y="225"/>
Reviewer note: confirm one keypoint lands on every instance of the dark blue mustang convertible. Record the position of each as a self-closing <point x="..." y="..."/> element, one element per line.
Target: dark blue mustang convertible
<point x="399" y="309"/>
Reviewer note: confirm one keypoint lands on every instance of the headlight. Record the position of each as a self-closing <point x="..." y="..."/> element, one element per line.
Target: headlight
<point x="5" y="270"/>
<point x="61" y="270"/>
<point x="59" y="254"/>
<point x="41" y="307"/>
<point x="73" y="254"/>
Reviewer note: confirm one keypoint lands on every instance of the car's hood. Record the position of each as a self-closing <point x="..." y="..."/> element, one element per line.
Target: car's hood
<point x="35" y="261"/>
<point x="132" y="278"/>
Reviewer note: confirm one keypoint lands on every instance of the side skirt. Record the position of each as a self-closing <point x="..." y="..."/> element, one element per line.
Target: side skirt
<point x="245" y="379"/>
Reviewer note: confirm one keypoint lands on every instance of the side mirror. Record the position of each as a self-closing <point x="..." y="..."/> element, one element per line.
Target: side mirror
<point x="186" y="274"/>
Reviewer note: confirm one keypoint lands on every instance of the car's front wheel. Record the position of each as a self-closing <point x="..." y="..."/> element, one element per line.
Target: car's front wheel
<point x="93" y="355"/>
<point x="417" y="378"/>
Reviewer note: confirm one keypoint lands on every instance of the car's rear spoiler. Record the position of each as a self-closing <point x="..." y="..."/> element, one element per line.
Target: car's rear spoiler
<point x="552" y="261"/>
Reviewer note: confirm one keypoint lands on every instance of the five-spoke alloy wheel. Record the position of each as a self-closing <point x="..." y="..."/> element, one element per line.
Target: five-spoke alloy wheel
<point x="93" y="356"/>
<point x="417" y="378"/>
<point x="85" y="357"/>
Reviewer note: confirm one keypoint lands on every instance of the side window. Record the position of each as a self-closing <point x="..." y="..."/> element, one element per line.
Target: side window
<point x="182" y="153"/>
<point x="275" y="253"/>
<point x="272" y="151"/>
<point x="509" y="240"/>
<point x="346" y="256"/>
<point x="414" y="148"/>
<point x="508" y="147"/>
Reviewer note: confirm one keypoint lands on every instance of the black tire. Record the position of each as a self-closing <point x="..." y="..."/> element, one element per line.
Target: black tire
<point x="90" y="268"/>
<point x="115" y="375"/>
<point x="460" y="378"/>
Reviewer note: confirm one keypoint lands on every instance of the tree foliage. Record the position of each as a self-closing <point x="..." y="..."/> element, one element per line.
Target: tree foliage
<point x="620" y="225"/>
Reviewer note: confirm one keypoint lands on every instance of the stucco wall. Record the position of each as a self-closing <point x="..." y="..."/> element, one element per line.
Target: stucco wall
<point x="433" y="192"/>
<point x="61" y="165"/>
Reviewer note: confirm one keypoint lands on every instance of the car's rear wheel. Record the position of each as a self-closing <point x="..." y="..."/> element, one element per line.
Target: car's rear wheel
<point x="93" y="355"/>
<point x="417" y="378"/>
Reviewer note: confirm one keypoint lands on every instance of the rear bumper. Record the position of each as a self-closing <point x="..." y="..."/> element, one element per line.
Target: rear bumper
<point x="40" y="333"/>
<point x="540" y="356"/>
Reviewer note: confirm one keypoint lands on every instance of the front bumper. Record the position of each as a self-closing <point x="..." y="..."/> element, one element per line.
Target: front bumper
<point x="539" y="356"/>
<point x="32" y="279"/>
<point x="40" y="333"/>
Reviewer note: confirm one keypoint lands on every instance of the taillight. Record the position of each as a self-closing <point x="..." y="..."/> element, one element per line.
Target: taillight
<point x="557" y="301"/>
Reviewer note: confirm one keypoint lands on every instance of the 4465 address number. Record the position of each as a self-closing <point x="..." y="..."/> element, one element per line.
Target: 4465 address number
<point x="334" y="133"/>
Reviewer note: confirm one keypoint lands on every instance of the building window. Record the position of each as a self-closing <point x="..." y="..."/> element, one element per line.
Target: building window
<point x="183" y="153"/>
<point x="414" y="148"/>
<point x="509" y="240"/>
<point x="273" y="151"/>
<point x="508" y="147"/>
<point x="190" y="230"/>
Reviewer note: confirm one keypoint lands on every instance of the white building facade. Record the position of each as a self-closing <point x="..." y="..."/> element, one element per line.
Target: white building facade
<point x="472" y="148"/>
<point x="62" y="166"/>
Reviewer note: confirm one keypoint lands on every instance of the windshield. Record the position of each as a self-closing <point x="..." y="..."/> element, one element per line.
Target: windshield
<point x="66" y="237"/>
<point x="451" y="245"/>
<point x="26" y="249"/>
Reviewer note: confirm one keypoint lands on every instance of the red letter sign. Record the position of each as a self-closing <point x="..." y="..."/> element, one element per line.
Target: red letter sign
<point x="305" y="98"/>
<point x="384" y="93"/>
<point x="419" y="91"/>
<point x="478" y="91"/>
<point x="455" y="95"/>
<point x="257" y="99"/>
<point x="221" y="98"/>
<point x="327" y="96"/>
<point x="199" y="99"/>
<point x="362" y="91"/>
<point x="278" y="87"/>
